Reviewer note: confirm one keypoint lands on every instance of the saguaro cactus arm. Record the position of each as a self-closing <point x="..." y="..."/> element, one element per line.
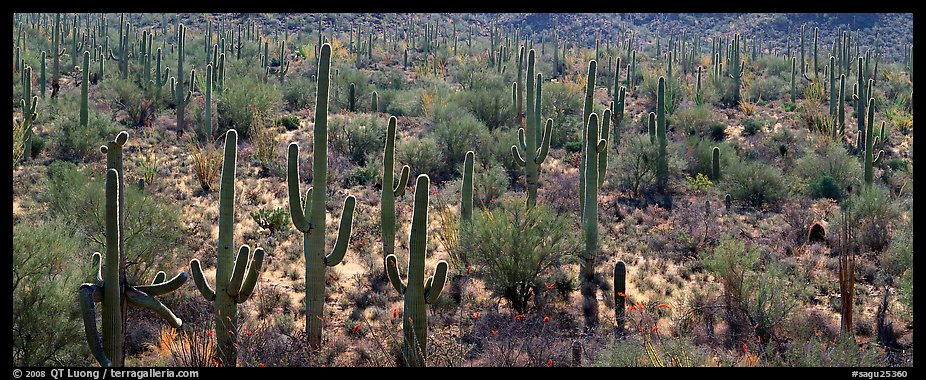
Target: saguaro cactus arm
<point x="292" y="179"/>
<point x="399" y="188"/>
<point x="86" y="297"/>
<point x="163" y="287"/>
<point x="250" y="280"/>
<point x="344" y="231"/>
<point x="140" y="299"/>
<point x="545" y="143"/>
<point x="392" y="270"/>
<point x="435" y="283"/>
<point x="241" y="265"/>
<point x="200" y="280"/>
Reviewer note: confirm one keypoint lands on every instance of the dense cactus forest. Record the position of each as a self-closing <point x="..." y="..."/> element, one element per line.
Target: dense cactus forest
<point x="384" y="190"/>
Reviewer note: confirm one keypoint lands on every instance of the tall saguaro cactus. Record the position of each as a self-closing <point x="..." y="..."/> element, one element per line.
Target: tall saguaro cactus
<point x="178" y="89"/>
<point x="233" y="286"/>
<point x="391" y="189"/>
<point x="111" y="287"/>
<point x="532" y="150"/>
<point x="591" y="177"/>
<point x="84" y="90"/>
<point x="310" y="217"/>
<point x="620" y="294"/>
<point x="586" y="112"/>
<point x="662" y="163"/>
<point x="417" y="291"/>
<point x="870" y="142"/>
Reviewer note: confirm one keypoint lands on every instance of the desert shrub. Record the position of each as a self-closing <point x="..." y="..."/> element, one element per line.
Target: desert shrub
<point x="76" y="142"/>
<point x="765" y="295"/>
<point x="834" y="162"/>
<point x="401" y="103"/>
<point x="497" y="149"/>
<point x="516" y="248"/>
<point x="692" y="120"/>
<point x="752" y="126"/>
<point x="491" y="105"/>
<point x="236" y="104"/>
<point x="290" y="122"/>
<point x="755" y="183"/>
<point x="490" y="184"/>
<point x="207" y="162"/>
<point x="635" y="166"/>
<point x="422" y="155"/>
<point x="127" y="96"/>
<point x="47" y="328"/>
<point x="767" y="88"/>
<point x="872" y="210"/>
<point x="564" y="106"/>
<point x="339" y="91"/>
<point x="820" y="351"/>
<point x="773" y="66"/>
<point x="357" y="136"/>
<point x="700" y="156"/>
<point x="153" y="228"/>
<point x="652" y="352"/>
<point x="271" y="219"/>
<point x="717" y="131"/>
<point x="299" y="92"/>
<point x="458" y="131"/>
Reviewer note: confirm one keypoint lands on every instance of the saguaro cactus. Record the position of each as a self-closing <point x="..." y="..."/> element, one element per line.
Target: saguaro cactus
<point x="417" y="291"/>
<point x="178" y="89"/>
<point x="309" y="218"/>
<point x="111" y="288"/>
<point x="870" y="142"/>
<point x="586" y="112"/>
<point x="715" y="163"/>
<point x="28" y="104"/>
<point x="620" y="294"/>
<point x="662" y="163"/>
<point x="84" y="90"/>
<point x="594" y="147"/>
<point x="529" y="154"/>
<point x="232" y="285"/>
<point x="391" y="189"/>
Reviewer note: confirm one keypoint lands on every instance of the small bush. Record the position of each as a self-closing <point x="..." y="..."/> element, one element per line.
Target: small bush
<point x="755" y="183"/>
<point x="873" y="212"/>
<point x="490" y="184"/>
<point x="290" y="122"/>
<point x="153" y="228"/>
<point x="237" y="103"/>
<point x="458" y="131"/>
<point x="358" y="136"/>
<point x="76" y="142"/>
<point x="271" y="219"/>
<point x="47" y="328"/>
<point x="841" y="168"/>
<point x="696" y="119"/>
<point x="635" y="169"/>
<point x="516" y="248"/>
<point x="421" y="154"/>
<point x="717" y="131"/>
<point x="207" y="162"/>
<point x="767" y="88"/>
<point x="751" y="127"/>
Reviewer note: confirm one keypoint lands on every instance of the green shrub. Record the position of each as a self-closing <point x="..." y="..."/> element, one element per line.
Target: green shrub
<point x="124" y="94"/>
<point x="491" y="105"/>
<point x="700" y="156"/>
<point x="656" y="352"/>
<point x="755" y="183"/>
<point x="458" y="131"/>
<point x="516" y="248"/>
<point x="290" y="122"/>
<point x="299" y="92"/>
<point x="635" y="169"/>
<point x="238" y="103"/>
<point x="872" y="210"/>
<point x="717" y="131"/>
<point x="765" y="295"/>
<point x="767" y="88"/>
<point x="47" y="271"/>
<point x="751" y="127"/>
<point x="357" y="136"/>
<point x="81" y="143"/>
<point x="565" y="108"/>
<point x="421" y="154"/>
<point x="835" y="162"/>
<point x="490" y="184"/>
<point x="153" y="228"/>
<point x="693" y="120"/>
<point x="401" y="103"/>
<point x="271" y="219"/>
